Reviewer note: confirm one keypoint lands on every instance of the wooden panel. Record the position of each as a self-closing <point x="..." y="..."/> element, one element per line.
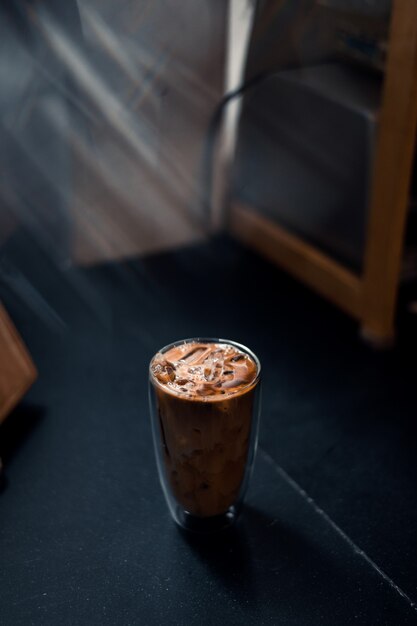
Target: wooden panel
<point x="17" y="371"/>
<point x="391" y="176"/>
<point x="137" y="170"/>
<point x="371" y="298"/>
<point x="300" y="259"/>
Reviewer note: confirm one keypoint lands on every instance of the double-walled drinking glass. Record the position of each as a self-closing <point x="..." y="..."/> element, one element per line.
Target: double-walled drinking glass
<point x="205" y="446"/>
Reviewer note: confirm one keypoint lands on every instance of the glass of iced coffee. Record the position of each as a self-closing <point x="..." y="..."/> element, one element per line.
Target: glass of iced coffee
<point x="204" y="402"/>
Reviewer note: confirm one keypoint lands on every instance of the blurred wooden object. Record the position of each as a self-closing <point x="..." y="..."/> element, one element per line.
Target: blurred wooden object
<point x="370" y="297"/>
<point x="297" y="257"/>
<point x="17" y="372"/>
<point x="391" y="176"/>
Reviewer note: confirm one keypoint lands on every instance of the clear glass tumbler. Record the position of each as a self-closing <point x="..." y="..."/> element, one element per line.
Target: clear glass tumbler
<point x="205" y="448"/>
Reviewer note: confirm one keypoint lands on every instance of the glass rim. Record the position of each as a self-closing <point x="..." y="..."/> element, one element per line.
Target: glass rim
<point x="230" y="342"/>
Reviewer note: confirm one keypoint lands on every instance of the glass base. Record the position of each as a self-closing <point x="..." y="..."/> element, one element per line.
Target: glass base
<point x="214" y="524"/>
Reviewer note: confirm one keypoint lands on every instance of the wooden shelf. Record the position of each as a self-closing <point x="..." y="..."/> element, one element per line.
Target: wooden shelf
<point x="370" y="298"/>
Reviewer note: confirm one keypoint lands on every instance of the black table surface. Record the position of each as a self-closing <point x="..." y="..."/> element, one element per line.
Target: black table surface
<point x="328" y="532"/>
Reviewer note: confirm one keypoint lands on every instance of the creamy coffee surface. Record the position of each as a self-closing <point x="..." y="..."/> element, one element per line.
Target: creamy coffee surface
<point x="204" y="371"/>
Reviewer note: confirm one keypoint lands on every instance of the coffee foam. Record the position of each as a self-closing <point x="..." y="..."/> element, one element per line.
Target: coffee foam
<point x="204" y="371"/>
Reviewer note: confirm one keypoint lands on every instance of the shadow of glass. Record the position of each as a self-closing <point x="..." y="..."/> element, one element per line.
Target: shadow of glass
<point x="261" y="558"/>
<point x="256" y="542"/>
<point x="228" y="557"/>
<point x="275" y="543"/>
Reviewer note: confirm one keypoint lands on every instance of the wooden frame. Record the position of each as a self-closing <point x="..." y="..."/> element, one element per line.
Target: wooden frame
<point x="371" y="297"/>
<point x="17" y="372"/>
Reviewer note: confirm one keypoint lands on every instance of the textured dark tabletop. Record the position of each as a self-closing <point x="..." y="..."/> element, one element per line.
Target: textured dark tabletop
<point x="328" y="536"/>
